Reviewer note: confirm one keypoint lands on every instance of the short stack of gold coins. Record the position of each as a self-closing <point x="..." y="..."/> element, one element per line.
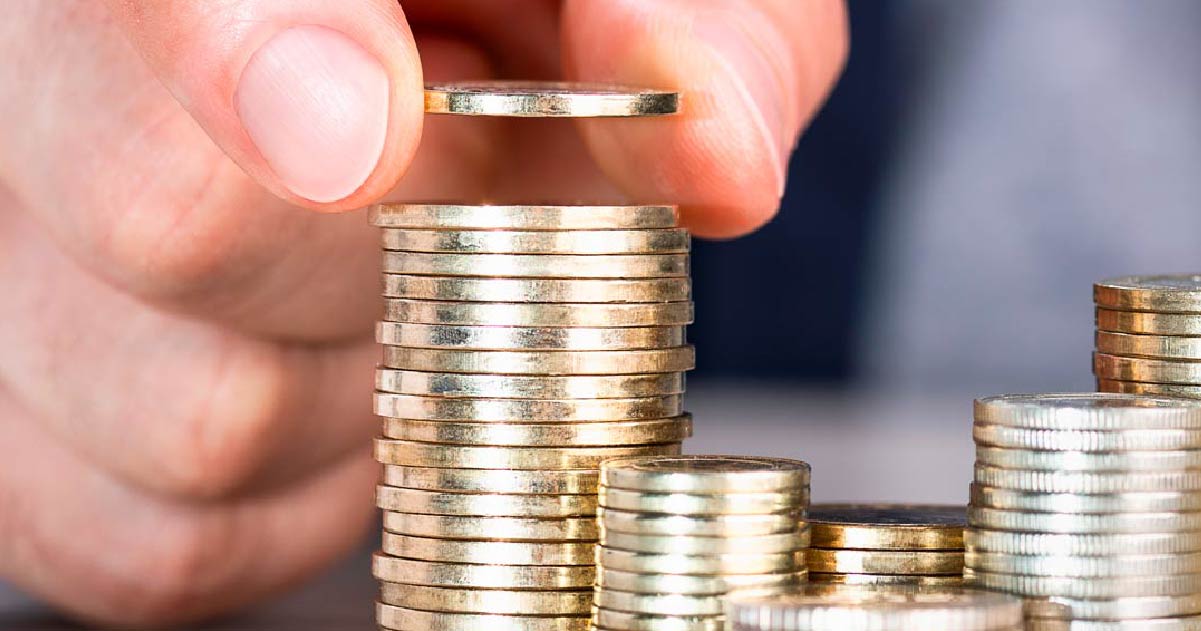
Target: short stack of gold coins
<point x="886" y="544"/>
<point x="522" y="346"/>
<point x="862" y="608"/>
<point x="679" y="533"/>
<point x="1149" y="335"/>
<point x="1092" y="501"/>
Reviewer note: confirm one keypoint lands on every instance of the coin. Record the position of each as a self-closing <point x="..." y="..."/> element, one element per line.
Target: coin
<point x="1171" y="293"/>
<point x="527" y="338"/>
<point x="629" y="621"/>
<point x="880" y="580"/>
<point x="698" y="564"/>
<point x="1149" y="323"/>
<point x="1085" y="567"/>
<point x="537" y="265"/>
<point x="528" y="217"/>
<point x="606" y="433"/>
<point x="1152" y="346"/>
<point x="673" y="359"/>
<point x="542" y="577"/>
<point x="519" y="410"/>
<point x="547" y="98"/>
<point x="1140" y="369"/>
<point x="575" y="242"/>
<point x="492" y="528"/>
<point x="532" y="314"/>
<point x="977" y="539"/>
<point x="1070" y="587"/>
<point x="640" y="523"/>
<point x="695" y="584"/>
<point x="1161" y="389"/>
<point x="494" y="552"/>
<point x="521" y="482"/>
<point x="1083" y="440"/>
<point x="883" y="561"/>
<point x="1090" y="504"/>
<point x="1087" y="481"/>
<point x="484" y="505"/>
<point x="1020" y="521"/>
<point x="675" y="544"/>
<point x="1098" y="461"/>
<point x="402" y="452"/>
<point x="706" y="474"/>
<point x="458" y="385"/>
<point x="1087" y="411"/>
<point x="887" y="526"/>
<point x="401" y="619"/>
<point x="490" y="601"/>
<point x="1192" y="623"/>
<point x="537" y="290"/>
<point x="690" y="504"/>
<point x="1134" y="608"/>
<point x="660" y="604"/>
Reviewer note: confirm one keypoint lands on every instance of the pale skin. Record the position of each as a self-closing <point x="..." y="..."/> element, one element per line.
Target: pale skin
<point x="187" y="366"/>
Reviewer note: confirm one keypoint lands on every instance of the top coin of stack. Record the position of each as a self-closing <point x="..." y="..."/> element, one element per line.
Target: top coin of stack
<point x="1149" y="335"/>
<point x="523" y="346"/>
<point x="1091" y="501"/>
<point x="859" y="608"/>
<point x="680" y="532"/>
<point x="886" y="544"/>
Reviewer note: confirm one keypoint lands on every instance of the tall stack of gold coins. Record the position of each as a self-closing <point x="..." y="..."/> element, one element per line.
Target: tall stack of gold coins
<point x="522" y="346"/>
<point x="1149" y="335"/>
<point x="679" y="533"/>
<point x="886" y="544"/>
<point x="859" y="608"/>
<point x="1091" y="501"/>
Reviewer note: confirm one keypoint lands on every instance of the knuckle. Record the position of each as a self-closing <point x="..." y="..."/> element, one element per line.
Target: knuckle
<point x="190" y="565"/>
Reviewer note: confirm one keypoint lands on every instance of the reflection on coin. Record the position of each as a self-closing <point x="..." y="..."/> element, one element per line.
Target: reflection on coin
<point x="402" y="452"/>
<point x="459" y="385"/>
<point x="706" y="474"/>
<point x="1133" y="608"/>
<point x="1070" y="587"/>
<point x="698" y="564"/>
<point x="490" y="601"/>
<point x="1149" y="323"/>
<point x="537" y="290"/>
<point x="1085" y="567"/>
<point x="1087" y="545"/>
<point x="534" y="314"/>
<point x="546" y="98"/>
<point x="1087" y="411"/>
<point x="1107" y="366"/>
<point x="543" y="577"/>
<point x="1010" y="499"/>
<point x="525" y="410"/>
<point x="661" y="604"/>
<point x="527" y="482"/>
<point x="401" y="619"/>
<point x="887" y="526"/>
<point x="1022" y="521"/>
<point x="673" y="359"/>
<point x="484" y="505"/>
<point x="1088" y="482"/>
<point x="1077" y="461"/>
<point x="607" y="433"/>
<point x="1136" y="387"/>
<point x="527" y="338"/>
<point x="689" y="504"/>
<point x="493" y="552"/>
<point x="674" y="544"/>
<point x="1152" y="346"/>
<point x="877" y="580"/>
<point x="577" y="242"/>
<point x="537" y="265"/>
<point x="486" y="217"/>
<point x="1083" y="440"/>
<point x="883" y="561"/>
<point x="494" y="528"/>
<point x="629" y="621"/>
<point x="687" y="584"/>
<point x="1192" y="623"/>
<point x="635" y="522"/>
<point x="1173" y="293"/>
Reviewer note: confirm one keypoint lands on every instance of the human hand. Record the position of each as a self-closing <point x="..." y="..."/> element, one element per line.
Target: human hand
<point x="187" y="362"/>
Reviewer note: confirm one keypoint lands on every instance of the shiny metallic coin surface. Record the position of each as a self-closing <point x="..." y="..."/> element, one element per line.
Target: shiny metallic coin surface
<point x="699" y="564"/>
<point x="675" y="544"/>
<point x="1150" y="346"/>
<point x="884" y="562"/>
<point x="489" y="601"/>
<point x="1086" y="545"/>
<point x="704" y="474"/>
<point x="599" y="434"/>
<point x="887" y="526"/>
<point x="525" y="410"/>
<point x="1087" y="411"/>
<point x="542" y="577"/>
<point x="887" y="580"/>
<point x="1169" y="293"/>
<point x="538" y="314"/>
<point x="537" y="265"/>
<point x="1083" y="566"/>
<point x="612" y="620"/>
<point x="1106" y="366"/>
<point x="1131" y="608"/>
<point x="1028" y="521"/>
<point x="693" y="504"/>
<point x="410" y="453"/>
<point x="547" y="99"/>
<point x="459" y="385"/>
<point x="492" y="528"/>
<point x="687" y="584"/>
<point x="402" y="619"/>
<point x="1086" y="440"/>
<point x="640" y="523"/>
<point x="1148" y="502"/>
<point x="527" y="338"/>
<point x="1081" y="461"/>
<point x="537" y="290"/>
<point x="1184" y="324"/>
<point x="1071" y="587"/>
<point x="491" y="552"/>
<point x="512" y="481"/>
<point x="518" y="217"/>
<point x="483" y="505"/>
<point x="1088" y="482"/>
<point x="674" y="359"/>
<point x="575" y="242"/>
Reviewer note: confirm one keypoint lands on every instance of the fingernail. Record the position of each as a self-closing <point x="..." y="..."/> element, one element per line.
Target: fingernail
<point x="315" y="103"/>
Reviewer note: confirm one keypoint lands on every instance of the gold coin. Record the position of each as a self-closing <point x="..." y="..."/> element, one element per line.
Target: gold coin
<point x="459" y="385"/>
<point x="487" y="217"/>
<point x="578" y="242"/>
<point x="607" y="433"/>
<point x="673" y="359"/>
<point x="699" y="584"/>
<point x="661" y="604"/>
<point x="537" y="290"/>
<point x="1149" y="346"/>
<point x="888" y="526"/>
<point x="494" y="528"/>
<point x="490" y="601"/>
<point x="547" y="99"/>
<point x="886" y="579"/>
<point x="526" y="338"/>
<point x="1139" y="369"/>
<point x="533" y="314"/>
<point x="513" y="481"/>
<point x="697" y="564"/>
<point x="525" y="410"/>
<point x="1172" y="293"/>
<point x="537" y="265"/>
<point x="494" y="552"/>
<point x="484" y="505"/>
<point x="706" y="474"/>
<point x="609" y="619"/>
<point x="402" y="452"/>
<point x="689" y="504"/>
<point x="541" y="577"/>
<point x="1160" y="389"/>
<point x="674" y="544"/>
<point x="883" y="561"/>
<point x="1149" y="323"/>
<point x="640" y="523"/>
<point x="401" y="619"/>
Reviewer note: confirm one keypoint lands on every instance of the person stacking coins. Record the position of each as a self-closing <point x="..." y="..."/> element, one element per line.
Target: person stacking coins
<point x="680" y="532"/>
<point x="886" y="544"/>
<point x="522" y="346"/>
<point x="1091" y="501"/>
<point x="1149" y="335"/>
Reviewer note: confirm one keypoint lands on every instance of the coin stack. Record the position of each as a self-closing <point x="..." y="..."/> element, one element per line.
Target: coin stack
<point x="522" y="346"/>
<point x="1091" y="501"/>
<point x="886" y="544"/>
<point x="860" y="608"/>
<point x="1149" y="335"/>
<point x="679" y="533"/>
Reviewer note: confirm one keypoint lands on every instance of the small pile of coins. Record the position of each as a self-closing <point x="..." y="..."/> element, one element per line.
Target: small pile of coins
<point x="859" y="608"/>
<point x="680" y="533"/>
<point x="1149" y="335"/>
<point x="522" y="346"/>
<point x="886" y="544"/>
<point x="1090" y="501"/>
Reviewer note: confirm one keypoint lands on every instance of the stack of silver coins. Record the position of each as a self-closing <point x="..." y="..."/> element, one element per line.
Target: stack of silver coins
<point x="522" y="346"/>
<point x="679" y="533"/>
<point x="859" y="608"/>
<point x="886" y="544"/>
<point x="1090" y="501"/>
<point x="1149" y="335"/>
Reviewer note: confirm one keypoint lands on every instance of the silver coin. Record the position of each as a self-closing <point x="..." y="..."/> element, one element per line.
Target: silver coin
<point x="1085" y="461"/>
<point x="695" y="584"/>
<point x="640" y="523"/>
<point x="1088" y="482"/>
<point x="976" y="539"/>
<point x="1084" y="567"/>
<point x="1009" y="499"/>
<point x="1192" y="623"/>
<point x="1023" y="521"/>
<point x="582" y="242"/>
<point x="1133" y="608"/>
<point x="1085" y="440"/>
<point x="547" y="99"/>
<point x="521" y="217"/>
<point x="705" y="474"/>
<point x="1071" y="587"/>
<point x="537" y="265"/>
<point x="1087" y="411"/>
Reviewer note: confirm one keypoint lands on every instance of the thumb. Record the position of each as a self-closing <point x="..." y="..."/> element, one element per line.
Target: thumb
<point x="319" y="100"/>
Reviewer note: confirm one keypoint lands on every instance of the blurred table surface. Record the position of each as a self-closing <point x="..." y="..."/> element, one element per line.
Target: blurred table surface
<point x="863" y="447"/>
